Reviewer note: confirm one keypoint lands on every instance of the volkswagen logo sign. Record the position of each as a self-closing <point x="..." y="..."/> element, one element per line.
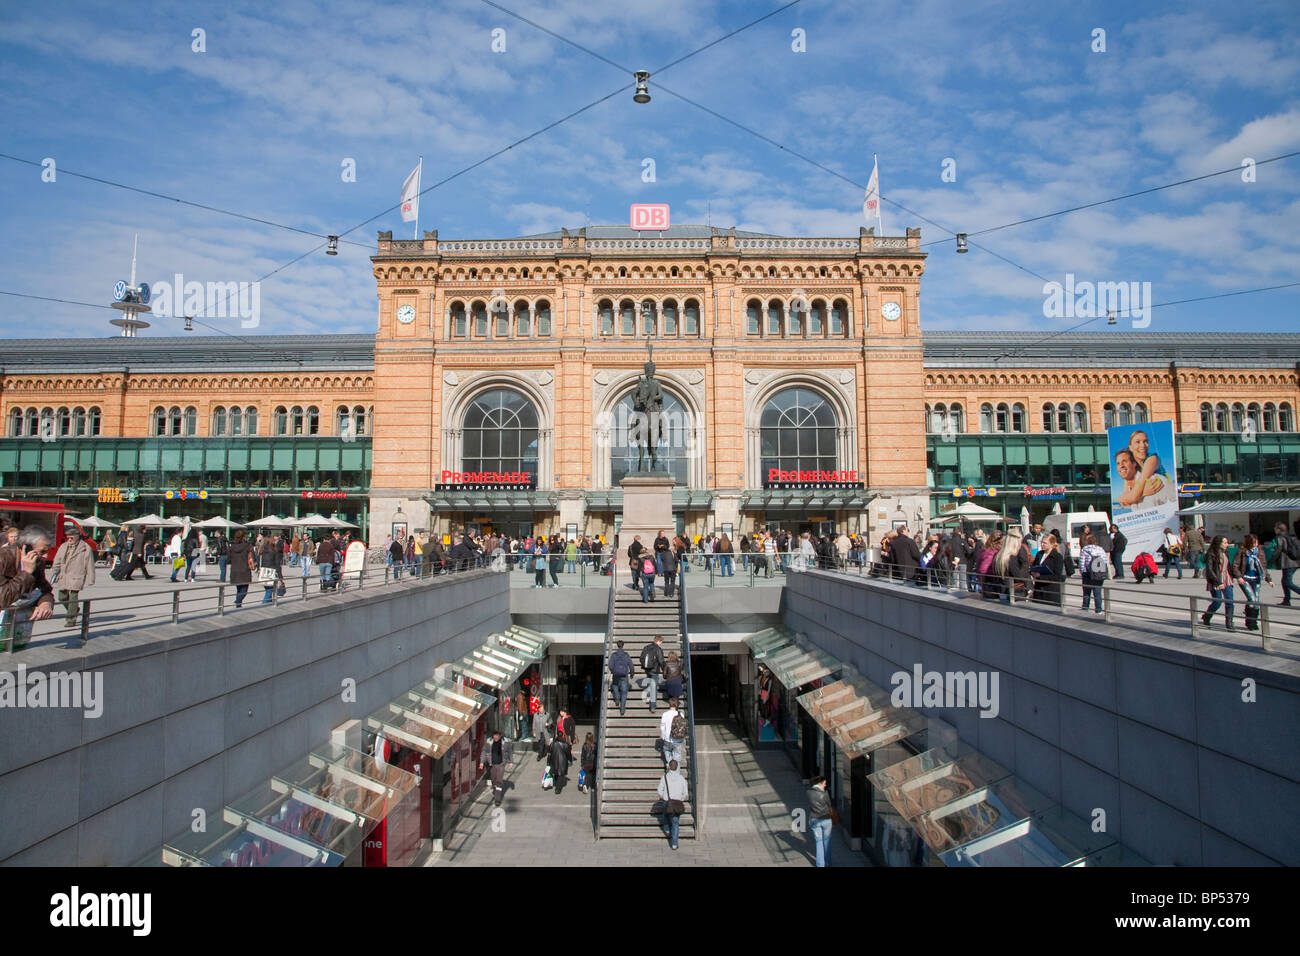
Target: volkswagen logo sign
<point x="119" y="290"/>
<point x="143" y="291"/>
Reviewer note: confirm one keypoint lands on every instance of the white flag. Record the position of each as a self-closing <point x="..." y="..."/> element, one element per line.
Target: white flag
<point x="411" y="196"/>
<point x="871" y="201"/>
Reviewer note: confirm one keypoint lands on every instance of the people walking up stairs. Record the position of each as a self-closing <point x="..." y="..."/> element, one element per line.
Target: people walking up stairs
<point x="632" y="764"/>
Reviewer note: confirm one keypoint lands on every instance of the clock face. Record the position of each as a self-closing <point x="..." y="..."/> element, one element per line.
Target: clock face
<point x="406" y="313"/>
<point x="891" y="311"/>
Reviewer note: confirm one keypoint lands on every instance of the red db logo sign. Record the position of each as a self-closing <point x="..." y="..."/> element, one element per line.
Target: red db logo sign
<point x="650" y="216"/>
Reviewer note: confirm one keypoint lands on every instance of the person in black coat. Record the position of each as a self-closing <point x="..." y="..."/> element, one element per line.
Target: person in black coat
<point x="1117" y="545"/>
<point x="561" y="754"/>
<point x="668" y="562"/>
<point x="906" y="556"/>
<point x="1048" y="570"/>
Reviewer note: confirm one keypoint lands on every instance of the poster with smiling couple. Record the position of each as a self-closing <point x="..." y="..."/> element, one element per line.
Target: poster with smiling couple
<point x="1143" y="484"/>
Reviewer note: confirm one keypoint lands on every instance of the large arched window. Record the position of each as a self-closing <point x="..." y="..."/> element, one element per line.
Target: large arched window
<point x="1285" y="421"/>
<point x="1221" y="417"/>
<point x="219" y="420"/>
<point x="1207" y="417"/>
<point x="606" y="312"/>
<point x="798" y="432"/>
<point x="673" y="451"/>
<point x="1081" y="417"/>
<point x="159" y="421"/>
<point x="523" y="320"/>
<point x="458" y="328"/>
<point x="817" y="318"/>
<point x="281" y="426"/>
<point x="479" y="311"/>
<point x="93" y="421"/>
<point x="250" y="420"/>
<point x="670" y="317"/>
<point x="500" y="433"/>
<point x="31" y="423"/>
<point x="944" y="419"/>
<point x="542" y="313"/>
<point x="15" y="422"/>
<point x="237" y="420"/>
<point x="191" y="419"/>
<point x="753" y="317"/>
<point x="65" y="422"/>
<point x="691" y="318"/>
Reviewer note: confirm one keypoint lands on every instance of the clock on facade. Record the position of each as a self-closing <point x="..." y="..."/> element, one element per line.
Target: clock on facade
<point x="891" y="311"/>
<point x="405" y="314"/>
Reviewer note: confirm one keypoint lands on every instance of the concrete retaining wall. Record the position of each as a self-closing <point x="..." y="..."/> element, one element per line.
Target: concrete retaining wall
<point x="196" y="715"/>
<point x="1151" y="729"/>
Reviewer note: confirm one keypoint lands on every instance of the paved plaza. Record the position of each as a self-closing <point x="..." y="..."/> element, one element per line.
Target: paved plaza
<point x="746" y="802"/>
<point x="1161" y="606"/>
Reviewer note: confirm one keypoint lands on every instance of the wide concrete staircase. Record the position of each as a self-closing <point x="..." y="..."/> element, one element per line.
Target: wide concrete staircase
<point x="631" y="767"/>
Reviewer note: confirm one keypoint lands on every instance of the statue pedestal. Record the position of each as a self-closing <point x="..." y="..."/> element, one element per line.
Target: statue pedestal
<point x="647" y="508"/>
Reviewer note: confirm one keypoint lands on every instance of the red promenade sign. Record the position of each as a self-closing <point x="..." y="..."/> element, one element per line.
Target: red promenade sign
<point x="775" y="475"/>
<point x="486" y="480"/>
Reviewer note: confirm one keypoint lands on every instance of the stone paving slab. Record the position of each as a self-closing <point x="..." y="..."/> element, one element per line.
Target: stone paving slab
<point x="747" y="798"/>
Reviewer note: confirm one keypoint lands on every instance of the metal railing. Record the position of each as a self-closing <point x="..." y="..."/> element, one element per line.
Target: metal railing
<point x="689" y="682"/>
<point x="1147" y="610"/>
<point x="605" y="677"/>
<point x="125" y="611"/>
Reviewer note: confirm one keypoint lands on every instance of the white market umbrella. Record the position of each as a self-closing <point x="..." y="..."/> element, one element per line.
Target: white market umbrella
<point x="271" y="521"/>
<point x="340" y="523"/>
<point x="153" y="521"/>
<point x="968" y="511"/>
<point x="219" y="522"/>
<point x="1024" y="518"/>
<point x="1056" y="508"/>
<point x="313" y="521"/>
<point x="93" y="522"/>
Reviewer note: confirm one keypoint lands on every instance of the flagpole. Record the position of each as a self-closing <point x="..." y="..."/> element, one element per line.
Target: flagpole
<point x="419" y="174"/>
<point x="880" y="223"/>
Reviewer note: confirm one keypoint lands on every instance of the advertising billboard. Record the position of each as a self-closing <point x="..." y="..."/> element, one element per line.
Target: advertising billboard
<point x="1143" y="483"/>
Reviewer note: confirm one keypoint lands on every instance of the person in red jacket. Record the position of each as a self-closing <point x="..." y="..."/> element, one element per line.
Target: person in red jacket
<point x="1143" y="567"/>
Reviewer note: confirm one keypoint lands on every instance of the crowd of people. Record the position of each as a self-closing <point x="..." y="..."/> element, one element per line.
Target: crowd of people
<point x="1012" y="565"/>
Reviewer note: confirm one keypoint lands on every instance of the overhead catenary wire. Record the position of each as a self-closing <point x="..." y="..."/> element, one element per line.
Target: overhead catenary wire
<point x="176" y="199"/>
<point x="1103" y="202"/>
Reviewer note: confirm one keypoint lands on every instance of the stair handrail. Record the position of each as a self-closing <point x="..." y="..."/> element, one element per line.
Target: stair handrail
<point x="604" y="697"/>
<point x="689" y="682"/>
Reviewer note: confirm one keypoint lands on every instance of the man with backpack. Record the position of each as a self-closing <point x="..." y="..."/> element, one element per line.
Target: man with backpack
<point x="223" y="554"/>
<point x="652" y="661"/>
<point x="672" y="730"/>
<point x="620" y="666"/>
<point x="1287" y="558"/>
<point x="1094" y="567"/>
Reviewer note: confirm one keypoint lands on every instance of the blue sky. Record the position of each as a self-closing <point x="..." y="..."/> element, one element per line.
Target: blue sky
<point x="1036" y="121"/>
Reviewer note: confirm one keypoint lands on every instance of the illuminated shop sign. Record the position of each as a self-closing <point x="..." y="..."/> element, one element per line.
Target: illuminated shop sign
<point x="1048" y="494"/>
<point x="1190" y="489"/>
<point x="974" y="492"/>
<point x="115" y="496"/>
<point x="182" y="494"/>
<point x="779" y="478"/>
<point x="324" y="494"/>
<point x="487" y="481"/>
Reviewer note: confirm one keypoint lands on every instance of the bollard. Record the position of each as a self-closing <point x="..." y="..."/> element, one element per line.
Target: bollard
<point x="221" y="599"/>
<point x="85" y="621"/>
<point x="275" y="594"/>
<point x="1263" y="628"/>
<point x="176" y="607"/>
<point x="1191" y="601"/>
<point x="1105" y="589"/>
